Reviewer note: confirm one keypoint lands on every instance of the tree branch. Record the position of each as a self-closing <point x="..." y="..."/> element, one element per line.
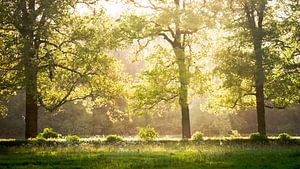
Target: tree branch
<point x="275" y="107"/>
<point x="69" y="69"/>
<point x="152" y="5"/>
<point x="166" y="38"/>
<point x="240" y="97"/>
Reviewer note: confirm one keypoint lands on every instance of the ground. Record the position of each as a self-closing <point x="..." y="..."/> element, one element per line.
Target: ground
<point x="169" y="155"/>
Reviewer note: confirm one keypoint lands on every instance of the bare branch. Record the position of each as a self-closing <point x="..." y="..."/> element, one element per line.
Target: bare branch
<point x="166" y="38"/>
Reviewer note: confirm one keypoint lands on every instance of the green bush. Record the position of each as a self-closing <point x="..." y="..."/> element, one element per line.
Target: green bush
<point x="147" y="133"/>
<point x="235" y="134"/>
<point x="40" y="140"/>
<point x="197" y="136"/>
<point x="284" y="137"/>
<point x="49" y="133"/>
<point x="257" y="137"/>
<point x="72" y="138"/>
<point x="113" y="138"/>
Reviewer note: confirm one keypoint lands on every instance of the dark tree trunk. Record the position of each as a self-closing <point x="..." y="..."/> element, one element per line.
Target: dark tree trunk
<point x="259" y="72"/>
<point x="29" y="59"/>
<point x="186" y="129"/>
<point x="256" y="29"/>
<point x="259" y="88"/>
<point x="31" y="115"/>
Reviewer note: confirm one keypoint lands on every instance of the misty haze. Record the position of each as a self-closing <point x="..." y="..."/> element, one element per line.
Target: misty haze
<point x="150" y="84"/>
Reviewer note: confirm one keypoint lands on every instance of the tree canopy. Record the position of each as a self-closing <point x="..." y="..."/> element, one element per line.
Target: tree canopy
<point x="232" y="55"/>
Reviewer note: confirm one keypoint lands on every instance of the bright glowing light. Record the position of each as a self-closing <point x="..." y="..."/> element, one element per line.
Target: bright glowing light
<point x="112" y="8"/>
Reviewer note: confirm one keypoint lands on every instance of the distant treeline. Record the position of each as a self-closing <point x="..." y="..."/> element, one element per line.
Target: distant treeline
<point x="73" y="119"/>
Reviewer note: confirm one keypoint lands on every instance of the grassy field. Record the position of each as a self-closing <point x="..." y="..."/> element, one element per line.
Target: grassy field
<point x="173" y="155"/>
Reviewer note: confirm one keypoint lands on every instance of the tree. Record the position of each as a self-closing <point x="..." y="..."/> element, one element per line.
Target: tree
<point x="284" y="43"/>
<point x="175" y="66"/>
<point x="56" y="57"/>
<point x="248" y="61"/>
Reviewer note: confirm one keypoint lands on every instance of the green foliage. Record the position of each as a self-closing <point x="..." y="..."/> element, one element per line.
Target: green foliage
<point x="48" y="133"/>
<point x="72" y="138"/>
<point x="235" y="61"/>
<point x="235" y="134"/>
<point x="87" y="70"/>
<point x="257" y="137"/>
<point x="284" y="137"/>
<point x="40" y="140"/>
<point x="173" y="68"/>
<point x="197" y="136"/>
<point x="133" y="27"/>
<point x="71" y="58"/>
<point x="3" y="110"/>
<point x="156" y="89"/>
<point x="113" y="139"/>
<point x="147" y="133"/>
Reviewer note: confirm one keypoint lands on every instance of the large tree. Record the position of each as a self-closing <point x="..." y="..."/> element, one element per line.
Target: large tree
<point x="174" y="65"/>
<point x="250" y="62"/>
<point x="55" y="56"/>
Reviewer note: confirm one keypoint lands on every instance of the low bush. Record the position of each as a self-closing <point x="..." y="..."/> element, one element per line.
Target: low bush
<point x="147" y="133"/>
<point x="41" y="141"/>
<point x="197" y="136"/>
<point x="284" y="137"/>
<point x="72" y="138"/>
<point x="113" y="138"/>
<point x="257" y="137"/>
<point x="235" y="134"/>
<point x="48" y="133"/>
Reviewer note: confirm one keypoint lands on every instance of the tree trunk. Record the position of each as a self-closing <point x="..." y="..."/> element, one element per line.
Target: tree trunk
<point x="259" y="88"/>
<point x="259" y="71"/>
<point x="31" y="115"/>
<point x="29" y="62"/>
<point x="183" y="92"/>
<point x="256" y="30"/>
<point x="186" y="129"/>
<point x="183" y="71"/>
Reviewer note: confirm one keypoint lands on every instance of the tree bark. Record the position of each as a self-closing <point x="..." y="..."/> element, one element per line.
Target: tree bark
<point x="183" y="71"/>
<point x="29" y="56"/>
<point x="256" y="29"/>
<point x="183" y="92"/>
<point x="259" y="88"/>
<point x="31" y="115"/>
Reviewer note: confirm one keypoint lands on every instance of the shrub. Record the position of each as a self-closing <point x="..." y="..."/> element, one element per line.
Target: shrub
<point x="72" y="138"/>
<point x="147" y="133"/>
<point x="40" y="140"/>
<point x="113" y="138"/>
<point x="257" y="137"/>
<point x="197" y="136"/>
<point x="284" y="137"/>
<point x="235" y="134"/>
<point x="49" y="133"/>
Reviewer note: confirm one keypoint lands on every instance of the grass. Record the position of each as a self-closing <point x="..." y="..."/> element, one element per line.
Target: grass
<point x="155" y="155"/>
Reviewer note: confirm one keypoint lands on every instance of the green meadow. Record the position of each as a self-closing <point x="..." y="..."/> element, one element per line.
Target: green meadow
<point x="151" y="155"/>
